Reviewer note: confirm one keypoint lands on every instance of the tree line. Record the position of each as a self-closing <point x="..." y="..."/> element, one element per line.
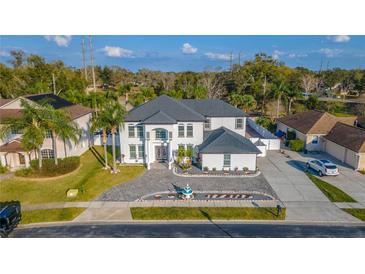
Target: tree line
<point x="258" y="84"/>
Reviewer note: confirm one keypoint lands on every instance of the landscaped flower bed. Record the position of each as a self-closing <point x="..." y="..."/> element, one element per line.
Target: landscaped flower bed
<point x="49" y="168"/>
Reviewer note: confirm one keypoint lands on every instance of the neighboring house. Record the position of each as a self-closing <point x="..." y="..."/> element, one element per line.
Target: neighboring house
<point x="310" y="126"/>
<point x="346" y="143"/>
<point x="214" y="129"/>
<point x="11" y="152"/>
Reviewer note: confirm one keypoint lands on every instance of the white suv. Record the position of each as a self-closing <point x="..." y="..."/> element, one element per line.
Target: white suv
<point x="323" y="167"/>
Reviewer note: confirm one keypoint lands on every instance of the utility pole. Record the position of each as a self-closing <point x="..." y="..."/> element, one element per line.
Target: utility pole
<point x="92" y="63"/>
<point x="83" y="56"/>
<point x="54" y="83"/>
<point x="230" y="62"/>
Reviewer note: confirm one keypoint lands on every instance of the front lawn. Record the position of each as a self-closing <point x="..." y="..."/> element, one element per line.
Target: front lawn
<point x="356" y="212"/>
<point x="91" y="180"/>
<point x="50" y="215"/>
<point x="206" y="213"/>
<point x="333" y="193"/>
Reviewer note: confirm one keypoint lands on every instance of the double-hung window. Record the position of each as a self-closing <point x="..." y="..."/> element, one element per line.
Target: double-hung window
<point x="140" y="151"/>
<point x="48" y="134"/>
<point x="132" y="151"/>
<point x="189" y="130"/>
<point x="207" y="124"/>
<point x="239" y="123"/>
<point x="227" y="160"/>
<point x="47" y="154"/>
<point x="131" y="133"/>
<point x="140" y="132"/>
<point x="181" y="131"/>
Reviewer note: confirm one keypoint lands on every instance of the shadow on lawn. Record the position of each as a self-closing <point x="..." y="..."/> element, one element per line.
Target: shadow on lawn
<point x="97" y="155"/>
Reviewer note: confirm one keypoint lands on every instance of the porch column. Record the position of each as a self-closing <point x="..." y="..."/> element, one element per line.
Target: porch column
<point x="170" y="150"/>
<point x="26" y="157"/>
<point x="147" y="151"/>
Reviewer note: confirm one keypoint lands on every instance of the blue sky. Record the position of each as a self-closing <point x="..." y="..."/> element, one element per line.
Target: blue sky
<point x="196" y="53"/>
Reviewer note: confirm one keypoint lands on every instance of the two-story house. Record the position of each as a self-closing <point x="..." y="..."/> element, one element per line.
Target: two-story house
<point x="214" y="129"/>
<point x="11" y="152"/>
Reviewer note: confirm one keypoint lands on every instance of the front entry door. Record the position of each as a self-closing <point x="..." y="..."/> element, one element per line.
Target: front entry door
<point x="161" y="153"/>
<point x="21" y="159"/>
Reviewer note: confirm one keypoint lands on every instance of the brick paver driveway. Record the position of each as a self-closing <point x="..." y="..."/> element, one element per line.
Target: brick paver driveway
<point x="157" y="180"/>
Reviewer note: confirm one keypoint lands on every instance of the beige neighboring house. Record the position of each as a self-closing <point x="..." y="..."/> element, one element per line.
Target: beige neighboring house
<point x="322" y="131"/>
<point x="311" y="125"/>
<point x="346" y="143"/>
<point x="11" y="152"/>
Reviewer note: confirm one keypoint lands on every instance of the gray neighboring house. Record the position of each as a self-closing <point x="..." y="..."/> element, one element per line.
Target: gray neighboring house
<point x="214" y="129"/>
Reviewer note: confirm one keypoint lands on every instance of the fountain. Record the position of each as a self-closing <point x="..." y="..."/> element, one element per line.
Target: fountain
<point x="187" y="192"/>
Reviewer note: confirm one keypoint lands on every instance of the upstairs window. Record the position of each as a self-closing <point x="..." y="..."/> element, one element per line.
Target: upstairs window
<point x="189" y="130"/>
<point x="227" y="160"/>
<point x="207" y="124"/>
<point x="48" y="134"/>
<point x="140" y="131"/>
<point x="181" y="131"/>
<point x="161" y="134"/>
<point x="239" y="123"/>
<point x="131" y="133"/>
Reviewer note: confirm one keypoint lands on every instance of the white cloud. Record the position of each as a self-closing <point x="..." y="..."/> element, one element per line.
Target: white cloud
<point x="60" y="40"/>
<point x="340" y="38"/>
<point x="277" y="53"/>
<point x="118" y="52"/>
<point x="330" y="52"/>
<point x="218" y="56"/>
<point x="297" y="55"/>
<point x="188" y="49"/>
<point x="4" y="53"/>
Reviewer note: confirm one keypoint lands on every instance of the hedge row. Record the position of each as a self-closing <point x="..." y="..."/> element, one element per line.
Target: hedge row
<point x="49" y="168"/>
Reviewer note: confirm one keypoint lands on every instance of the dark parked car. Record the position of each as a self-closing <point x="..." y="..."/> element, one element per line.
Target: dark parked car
<point x="10" y="216"/>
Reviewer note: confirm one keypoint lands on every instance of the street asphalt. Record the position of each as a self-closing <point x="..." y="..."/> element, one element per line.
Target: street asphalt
<point x="191" y="230"/>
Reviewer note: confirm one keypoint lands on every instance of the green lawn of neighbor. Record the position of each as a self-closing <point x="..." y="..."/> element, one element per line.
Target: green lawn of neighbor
<point x="205" y="213"/>
<point x="356" y="212"/>
<point x="333" y="193"/>
<point x="50" y="215"/>
<point x="90" y="179"/>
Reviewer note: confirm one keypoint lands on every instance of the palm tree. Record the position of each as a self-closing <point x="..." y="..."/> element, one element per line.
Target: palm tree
<point x="248" y="102"/>
<point x="112" y="116"/>
<point x="236" y="99"/>
<point x="99" y="122"/>
<point x="61" y="125"/>
<point x="33" y="125"/>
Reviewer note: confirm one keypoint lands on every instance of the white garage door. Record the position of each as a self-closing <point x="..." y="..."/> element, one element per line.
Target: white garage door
<point x="351" y="158"/>
<point x="335" y="150"/>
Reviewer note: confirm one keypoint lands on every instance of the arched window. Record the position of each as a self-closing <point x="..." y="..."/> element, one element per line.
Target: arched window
<point x="47" y="153"/>
<point x="161" y="134"/>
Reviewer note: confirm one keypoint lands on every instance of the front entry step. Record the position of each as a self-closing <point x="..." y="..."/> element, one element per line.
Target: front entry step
<point x="159" y="165"/>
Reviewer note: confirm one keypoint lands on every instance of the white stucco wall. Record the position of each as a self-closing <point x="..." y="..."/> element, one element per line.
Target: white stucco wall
<point x="228" y="122"/>
<point x="237" y="160"/>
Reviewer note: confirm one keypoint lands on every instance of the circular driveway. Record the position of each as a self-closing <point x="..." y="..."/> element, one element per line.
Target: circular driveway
<point x="159" y="180"/>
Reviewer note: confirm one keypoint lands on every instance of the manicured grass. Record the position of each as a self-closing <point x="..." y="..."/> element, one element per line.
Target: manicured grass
<point x="356" y="212"/>
<point x="90" y="179"/>
<point x="204" y="213"/>
<point x="342" y="114"/>
<point x="50" y="215"/>
<point x="333" y="193"/>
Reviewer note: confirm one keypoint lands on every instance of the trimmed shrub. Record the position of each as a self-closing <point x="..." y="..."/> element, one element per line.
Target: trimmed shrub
<point x="296" y="145"/>
<point x="49" y="169"/>
<point x="24" y="172"/>
<point x="3" y="169"/>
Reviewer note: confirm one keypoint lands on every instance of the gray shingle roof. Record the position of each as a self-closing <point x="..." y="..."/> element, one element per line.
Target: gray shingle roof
<point x="159" y="117"/>
<point x="171" y="107"/>
<point x="259" y="143"/>
<point x="223" y="140"/>
<point x="213" y="108"/>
